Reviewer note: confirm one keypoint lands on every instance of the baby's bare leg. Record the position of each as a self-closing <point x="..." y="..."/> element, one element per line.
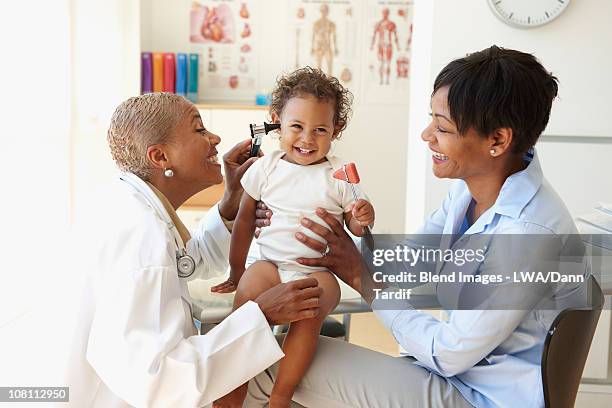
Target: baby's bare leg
<point x="258" y="278"/>
<point x="301" y="342"/>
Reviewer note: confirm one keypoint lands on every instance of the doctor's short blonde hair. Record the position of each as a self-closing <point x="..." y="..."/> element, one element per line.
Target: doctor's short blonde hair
<point x="140" y="122"/>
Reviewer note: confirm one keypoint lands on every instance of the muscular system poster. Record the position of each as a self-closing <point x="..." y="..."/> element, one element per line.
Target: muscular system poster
<point x="388" y="42"/>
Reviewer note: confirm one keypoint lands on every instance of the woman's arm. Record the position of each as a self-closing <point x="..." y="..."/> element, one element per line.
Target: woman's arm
<point x="342" y="256"/>
<point x="452" y="347"/>
<point x="209" y="246"/>
<point x="138" y="347"/>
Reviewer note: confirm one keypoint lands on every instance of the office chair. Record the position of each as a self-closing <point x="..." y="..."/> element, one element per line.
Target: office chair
<point x="565" y="351"/>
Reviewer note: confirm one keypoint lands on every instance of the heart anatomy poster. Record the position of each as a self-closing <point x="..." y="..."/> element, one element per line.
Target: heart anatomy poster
<point x="224" y="33"/>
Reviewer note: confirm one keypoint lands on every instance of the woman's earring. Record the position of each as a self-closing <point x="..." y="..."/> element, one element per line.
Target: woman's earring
<point x="492" y="152"/>
<point x="168" y="173"/>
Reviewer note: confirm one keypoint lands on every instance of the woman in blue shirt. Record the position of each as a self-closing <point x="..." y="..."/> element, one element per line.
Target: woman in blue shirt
<point x="488" y="110"/>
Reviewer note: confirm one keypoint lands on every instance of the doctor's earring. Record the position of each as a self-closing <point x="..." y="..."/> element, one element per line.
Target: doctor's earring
<point x="492" y="152"/>
<point x="168" y="173"/>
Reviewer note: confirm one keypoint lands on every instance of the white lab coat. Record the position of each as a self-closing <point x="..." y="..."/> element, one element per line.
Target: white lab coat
<point x="133" y="341"/>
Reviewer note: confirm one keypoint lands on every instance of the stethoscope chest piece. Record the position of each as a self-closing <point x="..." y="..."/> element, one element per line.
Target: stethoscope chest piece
<point x="185" y="265"/>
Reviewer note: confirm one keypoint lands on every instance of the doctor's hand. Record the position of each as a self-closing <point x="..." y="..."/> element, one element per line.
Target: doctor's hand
<point x="340" y="255"/>
<point x="290" y="302"/>
<point x="263" y="216"/>
<point x="235" y="163"/>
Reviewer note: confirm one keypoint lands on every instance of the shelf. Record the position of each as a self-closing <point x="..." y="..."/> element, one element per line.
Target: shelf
<point x="230" y="106"/>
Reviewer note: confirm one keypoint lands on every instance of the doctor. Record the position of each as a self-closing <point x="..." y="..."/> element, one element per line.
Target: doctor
<point x="134" y="342"/>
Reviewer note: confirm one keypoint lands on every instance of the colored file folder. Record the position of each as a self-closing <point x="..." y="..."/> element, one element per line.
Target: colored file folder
<point x="181" y="74"/>
<point x="146" y="73"/>
<point x="169" y="72"/>
<point x="158" y="72"/>
<point x="192" y="85"/>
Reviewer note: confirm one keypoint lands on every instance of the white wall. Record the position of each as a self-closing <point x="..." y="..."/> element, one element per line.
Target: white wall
<point x="577" y="47"/>
<point x="35" y="145"/>
<point x="106" y="71"/>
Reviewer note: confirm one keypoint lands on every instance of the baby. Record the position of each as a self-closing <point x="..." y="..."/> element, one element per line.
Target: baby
<point x="293" y="182"/>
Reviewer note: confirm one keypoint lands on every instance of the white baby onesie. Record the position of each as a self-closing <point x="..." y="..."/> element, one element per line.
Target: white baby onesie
<point x="293" y="191"/>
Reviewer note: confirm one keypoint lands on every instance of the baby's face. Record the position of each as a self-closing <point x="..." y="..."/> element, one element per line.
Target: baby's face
<point x="307" y="129"/>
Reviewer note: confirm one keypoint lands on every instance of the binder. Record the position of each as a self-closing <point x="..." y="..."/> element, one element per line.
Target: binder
<point x="169" y="72"/>
<point x="192" y="84"/>
<point x="158" y="72"/>
<point x="146" y="73"/>
<point x="181" y="74"/>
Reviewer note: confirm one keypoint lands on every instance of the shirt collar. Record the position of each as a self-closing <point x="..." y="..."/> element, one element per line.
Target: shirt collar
<point x="518" y="189"/>
<point x="516" y="192"/>
<point x="145" y="188"/>
<point x="183" y="231"/>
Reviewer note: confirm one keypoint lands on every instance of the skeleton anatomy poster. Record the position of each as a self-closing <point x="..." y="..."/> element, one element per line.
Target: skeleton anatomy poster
<point x="387" y="51"/>
<point x="224" y="33"/>
<point x="325" y="34"/>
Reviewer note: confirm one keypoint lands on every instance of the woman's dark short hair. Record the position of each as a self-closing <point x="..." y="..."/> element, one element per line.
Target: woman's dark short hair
<point x="499" y="88"/>
<point x="313" y="81"/>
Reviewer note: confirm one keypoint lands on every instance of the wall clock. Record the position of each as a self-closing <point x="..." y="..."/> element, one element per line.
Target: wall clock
<point x="527" y="13"/>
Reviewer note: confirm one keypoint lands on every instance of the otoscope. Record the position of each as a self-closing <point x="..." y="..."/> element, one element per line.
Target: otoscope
<point x="257" y="133"/>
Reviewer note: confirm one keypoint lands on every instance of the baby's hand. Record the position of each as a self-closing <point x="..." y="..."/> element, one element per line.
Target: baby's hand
<point x="363" y="212"/>
<point x="228" y="286"/>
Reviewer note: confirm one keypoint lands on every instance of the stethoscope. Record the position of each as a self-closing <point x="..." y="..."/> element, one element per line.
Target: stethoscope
<point x="185" y="264"/>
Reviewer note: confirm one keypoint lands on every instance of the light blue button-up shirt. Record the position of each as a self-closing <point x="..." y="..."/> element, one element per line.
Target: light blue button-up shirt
<point x="491" y="356"/>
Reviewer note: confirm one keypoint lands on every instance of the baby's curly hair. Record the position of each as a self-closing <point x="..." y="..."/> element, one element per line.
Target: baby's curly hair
<point x="312" y="81"/>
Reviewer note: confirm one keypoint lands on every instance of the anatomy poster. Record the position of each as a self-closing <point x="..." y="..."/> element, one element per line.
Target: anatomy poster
<point x="224" y="33"/>
<point x="325" y="34"/>
<point x="387" y="58"/>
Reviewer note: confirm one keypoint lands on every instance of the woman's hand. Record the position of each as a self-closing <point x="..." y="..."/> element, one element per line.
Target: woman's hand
<point x="340" y="255"/>
<point x="263" y="217"/>
<point x="235" y="163"/>
<point x="292" y="301"/>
